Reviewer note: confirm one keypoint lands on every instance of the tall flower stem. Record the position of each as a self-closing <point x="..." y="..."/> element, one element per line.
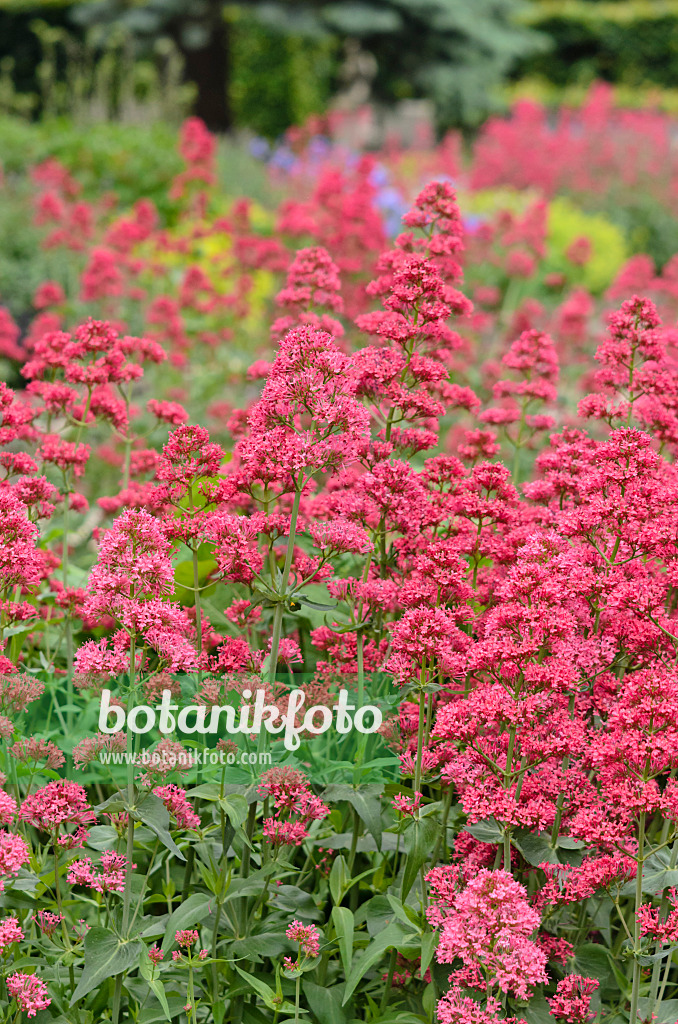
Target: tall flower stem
<point x="127" y="893"/>
<point x="297" y="998"/>
<point x="420" y="729"/>
<point x="198" y="609"/>
<point x="191" y="990"/>
<point x="635" y="989"/>
<point x="655" y="996"/>
<point x="280" y="606"/>
<point x="69" y="626"/>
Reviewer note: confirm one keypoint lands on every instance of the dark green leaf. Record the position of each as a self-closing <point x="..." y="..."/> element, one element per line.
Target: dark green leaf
<point x="325" y="1003"/>
<point x="395" y="934"/>
<point x="105" y="956"/>
<point x="192" y="911"/>
<point x="152" y="812"/>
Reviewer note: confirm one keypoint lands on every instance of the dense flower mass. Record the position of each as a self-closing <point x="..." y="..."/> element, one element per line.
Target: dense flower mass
<point x="268" y="479"/>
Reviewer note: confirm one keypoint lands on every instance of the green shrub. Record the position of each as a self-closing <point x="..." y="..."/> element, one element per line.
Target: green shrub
<point x="634" y="42"/>
<point x="278" y="79"/>
<point x="609" y="250"/>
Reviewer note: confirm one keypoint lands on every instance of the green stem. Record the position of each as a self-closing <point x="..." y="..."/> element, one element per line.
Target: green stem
<point x="246" y="860"/>
<point x="191" y="991"/>
<point x="57" y="892"/>
<point x="279" y="608"/>
<point x="354" y="841"/>
<point x="507" y="849"/>
<point x="442" y="835"/>
<point x="198" y="608"/>
<point x="389" y="981"/>
<point x="635" y="989"/>
<point x="420" y="730"/>
<point x="69" y="625"/>
<point x="127" y="892"/>
<point x="667" y="969"/>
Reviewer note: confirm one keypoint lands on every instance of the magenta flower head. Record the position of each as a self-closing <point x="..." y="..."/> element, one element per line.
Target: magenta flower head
<point x="176" y="802"/>
<point x="14" y="853"/>
<point x="308" y="418"/>
<point x="29" y="991"/>
<point x="186" y="938"/>
<point x="10" y="932"/>
<point x="134" y="558"/>
<point x="58" y="803"/>
<point x="307" y="936"/>
<point x="572" y="1001"/>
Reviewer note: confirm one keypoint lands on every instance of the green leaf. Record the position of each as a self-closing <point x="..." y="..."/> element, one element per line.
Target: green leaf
<point x="152" y="812"/>
<point x="424" y="833"/>
<point x="366" y="844"/>
<point x="395" y="934"/>
<point x="486" y="831"/>
<point x="344" y="925"/>
<point x="253" y="884"/>
<point x="404" y="913"/>
<point x="300" y="599"/>
<point x="295" y="901"/>
<point x="207" y="791"/>
<point x="254" y="947"/>
<point x="102" y="837"/>
<point x="146" y="970"/>
<point x="235" y="808"/>
<point x="536" y="848"/>
<point x="651" y="958"/>
<point x="402" y="1017"/>
<point x="105" y="956"/>
<point x="667" y="1011"/>
<point x="537" y="1011"/>
<point x="325" y="1003"/>
<point x="429" y="943"/>
<point x="339" y="875"/>
<point x="593" y="961"/>
<point x="154" y="1014"/>
<point x="265" y="992"/>
<point x="376" y="913"/>
<point x="192" y="911"/>
<point x="366" y="800"/>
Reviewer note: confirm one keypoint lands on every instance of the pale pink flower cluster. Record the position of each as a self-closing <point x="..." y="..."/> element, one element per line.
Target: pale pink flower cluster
<point x="110" y="878"/>
<point x="487" y="923"/>
<point x="29" y="991"/>
<point x="307" y="937"/>
<point x="176" y="802"/>
<point x="10" y="932"/>
<point x="295" y="803"/>
<point x="572" y="1001"/>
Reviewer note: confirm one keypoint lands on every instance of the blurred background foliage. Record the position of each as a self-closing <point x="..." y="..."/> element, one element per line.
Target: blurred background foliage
<point x="264" y="65"/>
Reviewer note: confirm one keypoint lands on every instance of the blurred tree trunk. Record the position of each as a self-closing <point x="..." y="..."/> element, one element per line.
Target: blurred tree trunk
<point x="207" y="65"/>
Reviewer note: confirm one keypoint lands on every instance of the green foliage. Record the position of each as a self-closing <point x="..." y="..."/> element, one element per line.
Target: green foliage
<point x="284" y="56"/>
<point x="566" y="222"/>
<point x="105" y="955"/>
<point x="634" y="43"/>
<point x="648" y="226"/>
<point x="277" y="79"/>
<point x="462" y="54"/>
<point x="136" y="160"/>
